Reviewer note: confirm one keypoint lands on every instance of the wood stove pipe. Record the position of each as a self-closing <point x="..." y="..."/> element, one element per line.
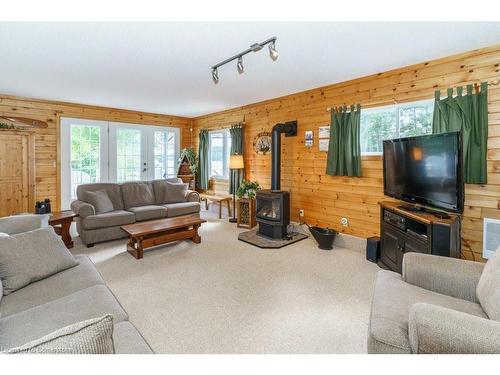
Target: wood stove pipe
<point x="290" y="130"/>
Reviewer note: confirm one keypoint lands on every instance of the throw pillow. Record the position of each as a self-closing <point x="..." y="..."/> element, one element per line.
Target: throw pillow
<point x="175" y="192"/>
<point x="94" y="336"/>
<point x="488" y="287"/>
<point x="32" y="256"/>
<point x="100" y="200"/>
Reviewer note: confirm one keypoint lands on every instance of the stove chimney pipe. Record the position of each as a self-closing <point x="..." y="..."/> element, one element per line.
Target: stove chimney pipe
<point x="290" y="130"/>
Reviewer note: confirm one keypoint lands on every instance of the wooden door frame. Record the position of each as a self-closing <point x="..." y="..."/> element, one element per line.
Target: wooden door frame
<point x="30" y="163"/>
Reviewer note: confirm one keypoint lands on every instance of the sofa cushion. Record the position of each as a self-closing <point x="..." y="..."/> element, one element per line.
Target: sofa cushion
<point x="23" y="223"/>
<point x="39" y="321"/>
<point x="175" y="192"/>
<point x="128" y="340"/>
<point x="184" y="208"/>
<point x="61" y="284"/>
<point x="488" y="288"/>
<point x="100" y="200"/>
<point x="137" y="193"/>
<point x="113" y="190"/>
<point x="392" y="300"/>
<point x="160" y="186"/>
<point x="148" y="212"/>
<point x="93" y="336"/>
<point x="32" y="256"/>
<point x="109" y="219"/>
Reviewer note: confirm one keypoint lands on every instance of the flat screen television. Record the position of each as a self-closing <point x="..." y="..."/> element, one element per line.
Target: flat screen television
<point x="425" y="170"/>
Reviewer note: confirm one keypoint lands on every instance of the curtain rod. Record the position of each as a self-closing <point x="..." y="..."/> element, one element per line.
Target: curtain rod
<point x="224" y="126"/>
<point x="491" y="83"/>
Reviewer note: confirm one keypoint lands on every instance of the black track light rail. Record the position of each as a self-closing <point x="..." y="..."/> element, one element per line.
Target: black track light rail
<point x="253" y="48"/>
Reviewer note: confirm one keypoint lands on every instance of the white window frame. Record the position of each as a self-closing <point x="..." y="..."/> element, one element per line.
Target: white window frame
<point x="225" y="151"/>
<point x="151" y="142"/>
<point x="107" y="160"/>
<point x="65" y="154"/>
<point x="396" y="107"/>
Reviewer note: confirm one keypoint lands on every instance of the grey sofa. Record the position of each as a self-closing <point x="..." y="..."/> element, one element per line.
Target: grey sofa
<point x="68" y="297"/>
<point x="71" y="296"/>
<point x="437" y="305"/>
<point x="132" y="202"/>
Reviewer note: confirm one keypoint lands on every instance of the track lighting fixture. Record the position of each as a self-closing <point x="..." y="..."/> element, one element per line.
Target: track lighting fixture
<point x="272" y="51"/>
<point x="240" y="67"/>
<point x="215" y="76"/>
<point x="253" y="48"/>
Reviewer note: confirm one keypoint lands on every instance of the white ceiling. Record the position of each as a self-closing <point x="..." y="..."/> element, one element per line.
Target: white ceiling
<point x="165" y="67"/>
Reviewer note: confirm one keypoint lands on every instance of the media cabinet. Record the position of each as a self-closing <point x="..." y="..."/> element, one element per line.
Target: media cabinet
<point x="402" y="231"/>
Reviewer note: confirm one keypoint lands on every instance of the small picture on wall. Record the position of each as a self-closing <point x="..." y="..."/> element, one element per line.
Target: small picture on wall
<point x="309" y="135"/>
<point x="323" y="144"/>
<point x="324" y="131"/>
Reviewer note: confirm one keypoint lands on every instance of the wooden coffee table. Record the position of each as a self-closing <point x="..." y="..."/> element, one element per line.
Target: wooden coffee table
<point x="159" y="232"/>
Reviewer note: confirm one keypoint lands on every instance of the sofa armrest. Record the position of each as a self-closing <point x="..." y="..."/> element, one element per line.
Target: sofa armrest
<point x="450" y="276"/>
<point x="23" y="223"/>
<point x="82" y="209"/>
<point x="439" y="330"/>
<point x="192" y="196"/>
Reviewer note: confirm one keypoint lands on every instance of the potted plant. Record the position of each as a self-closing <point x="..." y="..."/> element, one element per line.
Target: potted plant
<point x="190" y="155"/>
<point x="246" y="203"/>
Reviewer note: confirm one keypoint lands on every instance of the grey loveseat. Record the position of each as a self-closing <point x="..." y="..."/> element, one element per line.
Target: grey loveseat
<point x="132" y="202"/>
<point x="437" y="305"/>
<point x="71" y="296"/>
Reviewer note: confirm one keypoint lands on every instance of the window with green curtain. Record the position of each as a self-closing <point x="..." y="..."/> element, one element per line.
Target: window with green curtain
<point x="237" y="175"/>
<point x="344" y="150"/>
<point x="468" y="114"/>
<point x="203" y="160"/>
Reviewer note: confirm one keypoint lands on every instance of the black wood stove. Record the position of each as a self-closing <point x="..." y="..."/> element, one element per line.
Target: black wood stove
<point x="273" y="206"/>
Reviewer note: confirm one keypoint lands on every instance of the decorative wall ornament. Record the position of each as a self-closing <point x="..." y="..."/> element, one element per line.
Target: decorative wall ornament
<point x="309" y="137"/>
<point x="262" y="143"/>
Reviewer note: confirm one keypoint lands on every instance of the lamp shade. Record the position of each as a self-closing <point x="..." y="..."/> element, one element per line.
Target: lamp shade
<point x="236" y="162"/>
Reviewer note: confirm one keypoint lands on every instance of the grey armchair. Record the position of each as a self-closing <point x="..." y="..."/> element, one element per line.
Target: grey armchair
<point x="437" y="305"/>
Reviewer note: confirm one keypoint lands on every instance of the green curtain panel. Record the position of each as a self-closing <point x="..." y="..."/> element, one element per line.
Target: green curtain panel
<point x="203" y="160"/>
<point x="344" y="149"/>
<point x="236" y="175"/>
<point x="469" y="114"/>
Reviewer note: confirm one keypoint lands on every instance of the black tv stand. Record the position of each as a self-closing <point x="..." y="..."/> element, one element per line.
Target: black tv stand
<point x="408" y="230"/>
<point x="417" y="208"/>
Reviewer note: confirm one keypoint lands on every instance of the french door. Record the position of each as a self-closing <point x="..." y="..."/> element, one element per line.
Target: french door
<point x="102" y="151"/>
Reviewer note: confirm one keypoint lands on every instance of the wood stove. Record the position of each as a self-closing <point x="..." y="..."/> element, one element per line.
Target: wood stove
<point x="273" y="206"/>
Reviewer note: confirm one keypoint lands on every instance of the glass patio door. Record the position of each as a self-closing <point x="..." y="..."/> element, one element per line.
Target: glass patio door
<point x="84" y="155"/>
<point x="102" y="151"/>
<point x="128" y="159"/>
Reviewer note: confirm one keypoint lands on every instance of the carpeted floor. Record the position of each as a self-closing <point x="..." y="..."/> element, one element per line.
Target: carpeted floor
<point x="226" y="296"/>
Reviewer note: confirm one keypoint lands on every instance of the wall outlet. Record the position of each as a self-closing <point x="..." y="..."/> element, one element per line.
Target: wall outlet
<point x="301" y="213"/>
<point x="344" y="222"/>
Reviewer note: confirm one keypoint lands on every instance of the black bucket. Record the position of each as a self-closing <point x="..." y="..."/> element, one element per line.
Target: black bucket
<point x="324" y="237"/>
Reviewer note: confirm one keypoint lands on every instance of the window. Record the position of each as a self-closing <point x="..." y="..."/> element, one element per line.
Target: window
<point x="395" y="121"/>
<point x="164" y="153"/>
<point x="102" y="151"/>
<point x="219" y="150"/>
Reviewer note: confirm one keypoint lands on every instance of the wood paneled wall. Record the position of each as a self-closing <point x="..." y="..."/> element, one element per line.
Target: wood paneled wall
<point x="47" y="178"/>
<point x="326" y="199"/>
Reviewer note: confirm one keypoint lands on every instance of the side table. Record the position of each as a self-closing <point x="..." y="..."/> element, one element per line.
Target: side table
<point x="61" y="221"/>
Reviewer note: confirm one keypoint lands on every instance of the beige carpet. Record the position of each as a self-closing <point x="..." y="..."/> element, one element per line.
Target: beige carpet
<point x="226" y="296"/>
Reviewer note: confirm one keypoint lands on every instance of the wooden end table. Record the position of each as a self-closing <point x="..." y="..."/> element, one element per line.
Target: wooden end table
<point x="61" y="221"/>
<point x="153" y="233"/>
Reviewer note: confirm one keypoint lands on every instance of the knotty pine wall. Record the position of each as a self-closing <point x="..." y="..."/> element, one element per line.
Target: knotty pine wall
<point x="326" y="199"/>
<point x="47" y="160"/>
